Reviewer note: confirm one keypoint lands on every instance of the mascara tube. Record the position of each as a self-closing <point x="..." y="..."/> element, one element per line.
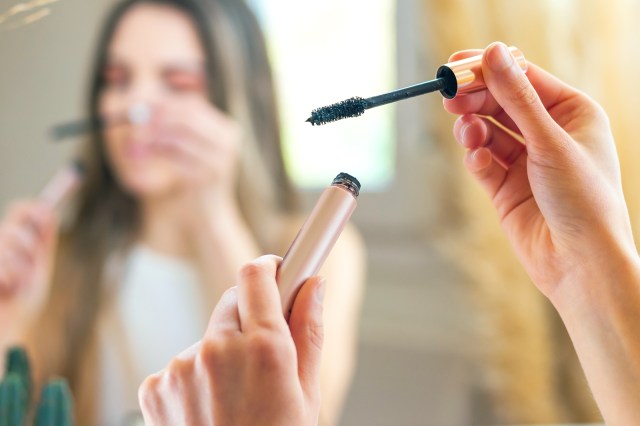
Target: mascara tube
<point x="317" y="237"/>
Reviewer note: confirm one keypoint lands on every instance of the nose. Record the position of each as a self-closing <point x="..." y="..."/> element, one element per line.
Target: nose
<point x="143" y="95"/>
<point x="139" y="113"/>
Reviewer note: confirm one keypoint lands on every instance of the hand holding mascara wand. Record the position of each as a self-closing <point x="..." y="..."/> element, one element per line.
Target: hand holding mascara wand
<point x="452" y="79"/>
<point x="137" y="114"/>
<point x="27" y="236"/>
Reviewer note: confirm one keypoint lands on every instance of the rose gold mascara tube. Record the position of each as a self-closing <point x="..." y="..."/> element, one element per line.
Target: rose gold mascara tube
<point x="317" y="237"/>
<point x="63" y="183"/>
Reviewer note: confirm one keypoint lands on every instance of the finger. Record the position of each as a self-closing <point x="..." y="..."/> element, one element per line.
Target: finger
<point x="507" y="189"/>
<point x="7" y="285"/>
<point x="34" y="216"/>
<point x="464" y="54"/>
<point x="258" y="298"/>
<point x="22" y="242"/>
<point x="307" y="331"/>
<point x="191" y="352"/>
<point x="192" y="162"/>
<point x="516" y="95"/>
<point x="15" y="265"/>
<point x="225" y="317"/>
<point x="193" y="116"/>
<point x="489" y="174"/>
<point x="549" y="88"/>
<point x="480" y="103"/>
<point x="473" y="132"/>
<point x="150" y="400"/>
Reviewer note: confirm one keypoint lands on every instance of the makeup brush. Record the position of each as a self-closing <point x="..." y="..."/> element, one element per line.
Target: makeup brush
<point x="452" y="79"/>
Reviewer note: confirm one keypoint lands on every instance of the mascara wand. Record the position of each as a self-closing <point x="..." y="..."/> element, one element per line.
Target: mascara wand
<point x="452" y="79"/>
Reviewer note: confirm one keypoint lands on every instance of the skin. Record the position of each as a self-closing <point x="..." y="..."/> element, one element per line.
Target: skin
<point x="560" y="202"/>
<point x="250" y="367"/>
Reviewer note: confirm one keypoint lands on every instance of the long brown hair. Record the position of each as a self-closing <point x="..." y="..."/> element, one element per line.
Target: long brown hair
<point x="106" y="219"/>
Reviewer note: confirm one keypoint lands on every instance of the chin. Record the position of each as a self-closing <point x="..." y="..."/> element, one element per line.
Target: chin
<point x="143" y="186"/>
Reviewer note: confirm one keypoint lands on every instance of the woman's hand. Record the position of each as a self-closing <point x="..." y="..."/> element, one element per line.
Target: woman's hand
<point x="559" y="200"/>
<point x="558" y="196"/>
<point x="204" y="145"/>
<point x="27" y="240"/>
<point x="250" y="367"/>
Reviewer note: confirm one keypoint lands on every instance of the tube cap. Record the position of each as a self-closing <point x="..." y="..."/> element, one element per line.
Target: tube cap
<point x="465" y="75"/>
<point x="349" y="182"/>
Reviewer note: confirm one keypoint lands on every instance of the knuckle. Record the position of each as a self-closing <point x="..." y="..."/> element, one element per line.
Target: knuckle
<point x="266" y="350"/>
<point x="316" y="335"/>
<point x="177" y="372"/>
<point x="251" y="270"/>
<point x="230" y="294"/>
<point x="148" y="391"/>
<point x="596" y="112"/>
<point x="212" y="354"/>
<point x="523" y="93"/>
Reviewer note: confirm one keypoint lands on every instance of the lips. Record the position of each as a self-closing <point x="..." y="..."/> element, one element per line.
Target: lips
<point x="139" y="150"/>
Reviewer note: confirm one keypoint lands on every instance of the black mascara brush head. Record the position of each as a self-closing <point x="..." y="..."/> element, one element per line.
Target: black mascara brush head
<point x="352" y="107"/>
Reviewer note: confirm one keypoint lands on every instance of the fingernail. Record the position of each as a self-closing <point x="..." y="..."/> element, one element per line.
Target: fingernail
<point x="320" y="288"/>
<point x="463" y="132"/>
<point x="499" y="57"/>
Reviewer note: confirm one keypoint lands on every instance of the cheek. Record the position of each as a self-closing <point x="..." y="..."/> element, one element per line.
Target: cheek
<point x="110" y="102"/>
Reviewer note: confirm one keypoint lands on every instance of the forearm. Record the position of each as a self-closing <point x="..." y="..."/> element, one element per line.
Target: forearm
<point x="601" y="310"/>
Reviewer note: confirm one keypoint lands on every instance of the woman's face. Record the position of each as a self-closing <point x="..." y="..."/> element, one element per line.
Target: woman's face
<point x="155" y="58"/>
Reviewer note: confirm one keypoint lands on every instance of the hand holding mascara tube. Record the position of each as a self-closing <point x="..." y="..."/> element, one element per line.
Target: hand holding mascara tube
<point x="248" y="348"/>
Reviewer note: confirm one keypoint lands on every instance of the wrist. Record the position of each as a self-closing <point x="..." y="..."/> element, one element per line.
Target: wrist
<point x="602" y="290"/>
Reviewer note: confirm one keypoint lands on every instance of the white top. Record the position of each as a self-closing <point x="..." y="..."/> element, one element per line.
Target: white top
<point x="158" y="310"/>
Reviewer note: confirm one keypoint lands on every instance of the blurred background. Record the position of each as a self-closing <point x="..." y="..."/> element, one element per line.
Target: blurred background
<point x="452" y="332"/>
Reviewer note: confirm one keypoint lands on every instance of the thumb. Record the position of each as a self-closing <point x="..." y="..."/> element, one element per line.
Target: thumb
<point x="518" y="98"/>
<point x="307" y="331"/>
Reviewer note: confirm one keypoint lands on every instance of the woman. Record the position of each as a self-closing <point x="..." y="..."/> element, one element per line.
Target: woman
<point x="169" y="211"/>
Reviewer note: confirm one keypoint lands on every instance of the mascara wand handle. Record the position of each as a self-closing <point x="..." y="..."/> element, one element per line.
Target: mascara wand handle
<point x="465" y="75"/>
<point x="406" y="92"/>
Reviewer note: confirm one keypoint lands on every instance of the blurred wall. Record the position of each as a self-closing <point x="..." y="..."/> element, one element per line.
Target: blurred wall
<point x="43" y="69"/>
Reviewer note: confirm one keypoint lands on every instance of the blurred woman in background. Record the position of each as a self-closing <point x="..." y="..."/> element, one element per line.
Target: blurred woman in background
<point x="169" y="210"/>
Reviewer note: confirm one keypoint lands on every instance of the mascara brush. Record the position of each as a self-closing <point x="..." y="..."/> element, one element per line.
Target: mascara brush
<point x="452" y="79"/>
